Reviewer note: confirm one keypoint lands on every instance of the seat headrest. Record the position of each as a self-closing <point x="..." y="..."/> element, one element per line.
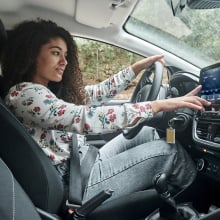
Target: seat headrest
<point x="3" y="36"/>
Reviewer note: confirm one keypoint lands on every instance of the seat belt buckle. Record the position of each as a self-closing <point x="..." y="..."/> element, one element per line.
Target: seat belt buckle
<point x="72" y="206"/>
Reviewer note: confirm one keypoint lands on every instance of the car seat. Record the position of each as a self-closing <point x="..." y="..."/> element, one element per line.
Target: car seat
<point x="14" y="203"/>
<point x="39" y="179"/>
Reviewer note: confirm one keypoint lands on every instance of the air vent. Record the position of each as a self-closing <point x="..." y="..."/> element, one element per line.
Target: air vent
<point x="208" y="131"/>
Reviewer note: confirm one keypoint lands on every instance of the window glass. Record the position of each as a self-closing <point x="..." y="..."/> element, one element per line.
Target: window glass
<point x="99" y="61"/>
<point x="192" y="35"/>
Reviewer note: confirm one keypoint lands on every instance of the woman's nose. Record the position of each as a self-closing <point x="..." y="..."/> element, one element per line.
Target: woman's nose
<point x="63" y="60"/>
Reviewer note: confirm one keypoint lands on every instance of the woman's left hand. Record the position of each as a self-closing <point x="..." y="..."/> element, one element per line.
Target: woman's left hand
<point x="146" y="62"/>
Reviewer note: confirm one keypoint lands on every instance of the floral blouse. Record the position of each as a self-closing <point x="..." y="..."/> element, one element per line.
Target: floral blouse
<point x="51" y="121"/>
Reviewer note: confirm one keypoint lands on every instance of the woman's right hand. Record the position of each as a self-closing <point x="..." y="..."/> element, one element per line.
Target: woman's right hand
<point x="190" y="100"/>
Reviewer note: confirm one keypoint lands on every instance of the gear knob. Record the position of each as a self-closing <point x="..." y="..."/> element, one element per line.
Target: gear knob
<point x="161" y="186"/>
<point x="160" y="183"/>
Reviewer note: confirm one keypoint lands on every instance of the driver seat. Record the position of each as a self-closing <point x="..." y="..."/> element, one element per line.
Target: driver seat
<point x="39" y="179"/>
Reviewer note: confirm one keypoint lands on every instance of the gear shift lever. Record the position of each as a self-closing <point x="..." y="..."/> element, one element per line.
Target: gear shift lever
<point x="169" y="210"/>
<point x="160" y="184"/>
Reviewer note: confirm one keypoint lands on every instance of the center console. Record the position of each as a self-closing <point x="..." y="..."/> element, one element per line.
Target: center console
<point x="206" y="135"/>
<point x="206" y="125"/>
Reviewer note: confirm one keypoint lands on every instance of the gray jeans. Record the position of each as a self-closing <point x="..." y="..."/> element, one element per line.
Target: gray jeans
<point x="127" y="166"/>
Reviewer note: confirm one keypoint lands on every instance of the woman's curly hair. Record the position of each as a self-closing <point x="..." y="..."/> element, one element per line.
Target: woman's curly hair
<point x="20" y="56"/>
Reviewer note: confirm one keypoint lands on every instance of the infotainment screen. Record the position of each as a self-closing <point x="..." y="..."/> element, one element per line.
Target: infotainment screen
<point x="210" y="81"/>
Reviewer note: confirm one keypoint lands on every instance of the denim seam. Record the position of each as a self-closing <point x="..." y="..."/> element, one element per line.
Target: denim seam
<point x="131" y="165"/>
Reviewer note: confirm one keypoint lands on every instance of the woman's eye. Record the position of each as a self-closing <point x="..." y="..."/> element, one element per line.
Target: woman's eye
<point x="56" y="53"/>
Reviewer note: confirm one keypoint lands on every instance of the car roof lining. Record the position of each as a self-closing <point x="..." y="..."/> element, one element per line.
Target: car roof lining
<point x="81" y="11"/>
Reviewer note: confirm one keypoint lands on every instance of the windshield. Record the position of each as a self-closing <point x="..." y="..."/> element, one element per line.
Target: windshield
<point x="193" y="35"/>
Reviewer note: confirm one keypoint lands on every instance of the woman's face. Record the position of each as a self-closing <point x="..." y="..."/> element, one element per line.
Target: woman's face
<point x="51" y="62"/>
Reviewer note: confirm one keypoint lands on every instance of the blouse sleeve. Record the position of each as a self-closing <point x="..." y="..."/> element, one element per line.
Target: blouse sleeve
<point x="35" y="105"/>
<point x="107" y="89"/>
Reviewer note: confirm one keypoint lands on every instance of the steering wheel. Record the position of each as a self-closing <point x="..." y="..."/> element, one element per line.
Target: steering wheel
<point x="146" y="89"/>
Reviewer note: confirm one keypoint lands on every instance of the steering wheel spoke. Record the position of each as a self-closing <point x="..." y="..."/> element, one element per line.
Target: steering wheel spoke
<point x="147" y="89"/>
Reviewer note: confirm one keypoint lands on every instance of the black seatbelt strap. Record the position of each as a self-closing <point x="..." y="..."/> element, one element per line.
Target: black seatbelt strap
<point x="78" y="176"/>
<point x="75" y="183"/>
<point x="87" y="164"/>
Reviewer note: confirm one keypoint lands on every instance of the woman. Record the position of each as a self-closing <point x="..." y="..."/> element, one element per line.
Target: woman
<point x="44" y="90"/>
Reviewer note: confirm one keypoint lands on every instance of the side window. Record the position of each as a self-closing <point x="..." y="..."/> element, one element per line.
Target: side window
<point x="99" y="60"/>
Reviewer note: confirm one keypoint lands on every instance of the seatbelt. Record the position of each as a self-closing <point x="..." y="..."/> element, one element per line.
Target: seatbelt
<point x="87" y="164"/>
<point x="78" y="176"/>
<point x="75" y="183"/>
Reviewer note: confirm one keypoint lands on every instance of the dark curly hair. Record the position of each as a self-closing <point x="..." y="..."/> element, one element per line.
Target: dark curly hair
<point x="20" y="55"/>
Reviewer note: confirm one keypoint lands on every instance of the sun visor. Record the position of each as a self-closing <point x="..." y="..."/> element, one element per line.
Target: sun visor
<point x="102" y="13"/>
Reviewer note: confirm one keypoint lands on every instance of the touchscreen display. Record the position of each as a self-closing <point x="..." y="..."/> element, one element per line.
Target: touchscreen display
<point x="210" y="81"/>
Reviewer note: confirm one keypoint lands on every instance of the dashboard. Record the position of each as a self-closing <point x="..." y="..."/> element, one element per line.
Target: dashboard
<point x="205" y="126"/>
<point x="182" y="83"/>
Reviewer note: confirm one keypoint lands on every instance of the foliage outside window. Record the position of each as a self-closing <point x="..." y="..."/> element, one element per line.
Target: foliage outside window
<point x="192" y="35"/>
<point x="99" y="61"/>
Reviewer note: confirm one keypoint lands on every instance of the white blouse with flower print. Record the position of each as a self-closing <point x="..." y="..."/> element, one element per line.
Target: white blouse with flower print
<point x="51" y="121"/>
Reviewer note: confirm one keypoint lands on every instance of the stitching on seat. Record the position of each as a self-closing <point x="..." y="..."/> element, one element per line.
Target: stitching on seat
<point x="13" y="191"/>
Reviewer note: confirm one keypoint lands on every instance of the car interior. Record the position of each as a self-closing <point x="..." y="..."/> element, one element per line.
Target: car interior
<point x="30" y="185"/>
